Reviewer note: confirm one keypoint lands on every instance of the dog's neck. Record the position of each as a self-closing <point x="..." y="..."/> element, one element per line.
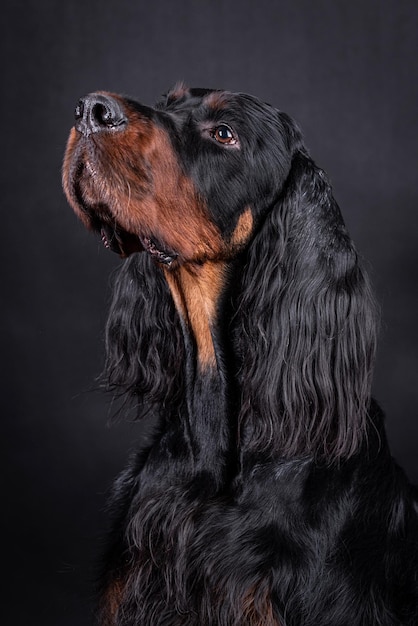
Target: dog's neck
<point x="196" y="290"/>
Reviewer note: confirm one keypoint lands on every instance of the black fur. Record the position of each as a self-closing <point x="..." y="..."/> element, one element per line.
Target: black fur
<point x="268" y="495"/>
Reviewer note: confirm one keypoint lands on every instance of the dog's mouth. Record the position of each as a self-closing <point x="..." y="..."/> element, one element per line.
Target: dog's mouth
<point x="119" y="241"/>
<point x="123" y="243"/>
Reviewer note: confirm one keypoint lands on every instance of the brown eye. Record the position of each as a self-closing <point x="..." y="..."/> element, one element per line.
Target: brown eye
<point x="223" y="134"/>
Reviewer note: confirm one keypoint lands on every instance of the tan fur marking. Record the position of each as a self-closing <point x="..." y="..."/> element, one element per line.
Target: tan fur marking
<point x="243" y="229"/>
<point x="178" y="91"/>
<point x="111" y="602"/>
<point x="257" y="608"/>
<point x="217" y="100"/>
<point x="196" y="292"/>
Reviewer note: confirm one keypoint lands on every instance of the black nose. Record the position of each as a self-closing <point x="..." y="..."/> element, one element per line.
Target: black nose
<point x="97" y="112"/>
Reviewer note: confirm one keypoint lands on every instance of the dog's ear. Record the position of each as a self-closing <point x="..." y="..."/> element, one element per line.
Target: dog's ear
<point x="307" y="326"/>
<point x="144" y="344"/>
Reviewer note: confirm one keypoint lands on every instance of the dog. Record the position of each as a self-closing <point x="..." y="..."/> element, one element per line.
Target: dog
<point x="243" y="321"/>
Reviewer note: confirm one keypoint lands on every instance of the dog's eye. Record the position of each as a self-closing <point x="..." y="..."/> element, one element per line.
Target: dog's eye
<point x="223" y="134"/>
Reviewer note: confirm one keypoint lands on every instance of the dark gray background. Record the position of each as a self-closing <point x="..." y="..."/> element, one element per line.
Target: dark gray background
<point x="346" y="70"/>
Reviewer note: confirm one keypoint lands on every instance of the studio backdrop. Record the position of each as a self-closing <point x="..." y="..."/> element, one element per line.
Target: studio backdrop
<point x="346" y="71"/>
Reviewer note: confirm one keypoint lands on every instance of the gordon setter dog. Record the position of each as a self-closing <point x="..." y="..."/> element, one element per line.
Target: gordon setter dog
<point x="244" y="323"/>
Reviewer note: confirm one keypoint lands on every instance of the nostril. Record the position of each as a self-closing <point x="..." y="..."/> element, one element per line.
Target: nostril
<point x="98" y="112"/>
<point x="106" y="115"/>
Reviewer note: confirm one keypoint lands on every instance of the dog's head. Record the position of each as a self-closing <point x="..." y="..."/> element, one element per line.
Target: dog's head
<point x="187" y="180"/>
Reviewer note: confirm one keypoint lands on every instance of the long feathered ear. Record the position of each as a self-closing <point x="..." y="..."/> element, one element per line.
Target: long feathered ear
<point x="144" y="345"/>
<point x="307" y="327"/>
